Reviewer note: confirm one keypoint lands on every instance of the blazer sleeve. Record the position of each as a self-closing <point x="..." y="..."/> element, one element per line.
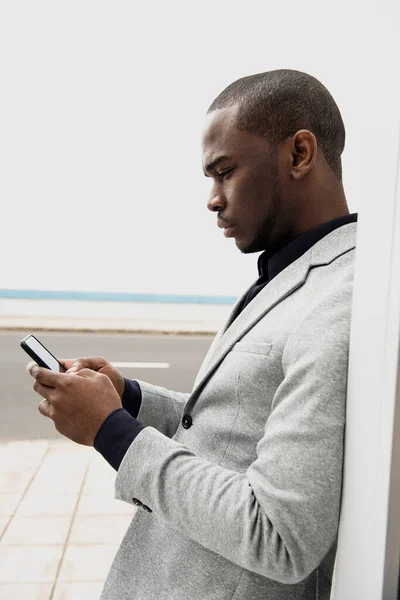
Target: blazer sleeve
<point x="161" y="408"/>
<point x="279" y="518"/>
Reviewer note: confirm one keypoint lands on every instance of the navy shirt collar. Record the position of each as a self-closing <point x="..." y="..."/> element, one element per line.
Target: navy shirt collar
<point x="270" y="266"/>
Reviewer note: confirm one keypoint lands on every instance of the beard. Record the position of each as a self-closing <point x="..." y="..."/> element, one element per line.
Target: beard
<point x="263" y="236"/>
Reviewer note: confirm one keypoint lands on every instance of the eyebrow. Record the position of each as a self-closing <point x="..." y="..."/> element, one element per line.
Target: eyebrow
<point x="214" y="163"/>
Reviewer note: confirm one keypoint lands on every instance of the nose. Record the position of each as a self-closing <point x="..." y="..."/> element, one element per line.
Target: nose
<point x="215" y="202"/>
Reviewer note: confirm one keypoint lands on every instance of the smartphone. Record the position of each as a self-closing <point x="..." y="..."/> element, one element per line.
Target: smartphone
<point x="40" y="354"/>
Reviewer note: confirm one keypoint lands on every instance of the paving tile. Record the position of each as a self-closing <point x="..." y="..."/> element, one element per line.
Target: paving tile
<point x="66" y="461"/>
<point x="29" y="564"/>
<point x="57" y="483"/>
<point x="99" y="530"/>
<point x="8" y="504"/>
<point x="61" y="469"/>
<point x="21" y="456"/>
<point x="70" y="447"/>
<point x="3" y="523"/>
<point x="25" y="445"/>
<point x="25" y="591"/>
<point x="70" y="456"/>
<point x="16" y="481"/>
<point x="46" y="505"/>
<point x="98" y="460"/>
<point x="65" y="445"/>
<point x="99" y="480"/>
<point x="36" y="531"/>
<point x="101" y="466"/>
<point x="86" y="563"/>
<point x="103" y="504"/>
<point x="78" y="591"/>
<point x="20" y="444"/>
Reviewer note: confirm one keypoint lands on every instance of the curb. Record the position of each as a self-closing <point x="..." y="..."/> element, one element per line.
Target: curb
<point x="113" y="330"/>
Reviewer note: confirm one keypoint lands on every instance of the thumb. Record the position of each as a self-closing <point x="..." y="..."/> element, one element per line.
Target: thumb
<point x="67" y="362"/>
<point x="95" y="363"/>
<point x="88" y="373"/>
<point x="76" y="365"/>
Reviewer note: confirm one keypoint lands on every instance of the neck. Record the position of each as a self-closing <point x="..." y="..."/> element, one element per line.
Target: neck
<point x="323" y="201"/>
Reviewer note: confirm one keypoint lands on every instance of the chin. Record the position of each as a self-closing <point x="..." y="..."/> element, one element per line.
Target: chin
<point x="241" y="246"/>
<point x="249" y="247"/>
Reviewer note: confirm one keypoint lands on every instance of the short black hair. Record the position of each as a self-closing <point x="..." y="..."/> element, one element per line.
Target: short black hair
<point x="276" y="104"/>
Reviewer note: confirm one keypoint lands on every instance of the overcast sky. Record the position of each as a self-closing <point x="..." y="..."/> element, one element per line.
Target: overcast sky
<point x="102" y="107"/>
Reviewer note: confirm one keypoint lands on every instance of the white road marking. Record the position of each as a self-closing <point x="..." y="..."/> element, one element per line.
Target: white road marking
<point x="141" y="365"/>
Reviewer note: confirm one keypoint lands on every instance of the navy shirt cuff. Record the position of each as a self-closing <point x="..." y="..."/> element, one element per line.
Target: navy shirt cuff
<point x="132" y="397"/>
<point x="115" y="436"/>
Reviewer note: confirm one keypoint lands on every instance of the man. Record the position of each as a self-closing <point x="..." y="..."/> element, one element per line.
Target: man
<point x="239" y="482"/>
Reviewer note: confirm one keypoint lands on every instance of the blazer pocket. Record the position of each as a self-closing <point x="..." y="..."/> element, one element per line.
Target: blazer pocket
<point x="252" y="348"/>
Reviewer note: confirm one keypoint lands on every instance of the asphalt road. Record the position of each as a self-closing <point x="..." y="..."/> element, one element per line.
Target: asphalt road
<point x="19" y="416"/>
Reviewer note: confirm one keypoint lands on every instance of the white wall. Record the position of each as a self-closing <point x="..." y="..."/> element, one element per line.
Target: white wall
<point x="102" y="106"/>
<point x="369" y="532"/>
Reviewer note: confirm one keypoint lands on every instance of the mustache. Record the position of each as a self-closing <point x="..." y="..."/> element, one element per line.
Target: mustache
<point x="222" y="222"/>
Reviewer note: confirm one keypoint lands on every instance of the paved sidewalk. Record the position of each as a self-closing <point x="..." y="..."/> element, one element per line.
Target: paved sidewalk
<point x="73" y="315"/>
<point x="60" y="525"/>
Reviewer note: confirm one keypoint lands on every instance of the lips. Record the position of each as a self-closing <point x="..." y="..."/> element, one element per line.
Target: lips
<point x="228" y="231"/>
<point x="223" y="224"/>
<point x="227" y="227"/>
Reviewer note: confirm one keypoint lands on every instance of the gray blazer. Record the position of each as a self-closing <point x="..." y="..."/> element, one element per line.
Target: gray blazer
<point x="245" y="502"/>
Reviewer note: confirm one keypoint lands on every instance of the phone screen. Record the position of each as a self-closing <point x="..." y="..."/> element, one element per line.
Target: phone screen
<point x="39" y="350"/>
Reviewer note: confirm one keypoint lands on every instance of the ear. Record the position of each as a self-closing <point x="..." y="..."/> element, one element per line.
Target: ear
<point x="304" y="153"/>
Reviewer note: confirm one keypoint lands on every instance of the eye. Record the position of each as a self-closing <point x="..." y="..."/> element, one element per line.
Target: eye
<point x="224" y="173"/>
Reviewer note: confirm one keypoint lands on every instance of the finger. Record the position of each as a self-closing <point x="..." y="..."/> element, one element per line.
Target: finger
<point x="88" y="373"/>
<point x="67" y="363"/>
<point x="33" y="368"/>
<point x="90" y="362"/>
<point x="43" y="390"/>
<point x="46" y="376"/>
<point x="29" y="366"/>
<point x="45" y="408"/>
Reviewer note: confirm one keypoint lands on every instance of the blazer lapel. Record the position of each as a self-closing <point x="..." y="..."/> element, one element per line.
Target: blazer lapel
<point x="209" y="356"/>
<point x="239" y="324"/>
<point x="287" y="281"/>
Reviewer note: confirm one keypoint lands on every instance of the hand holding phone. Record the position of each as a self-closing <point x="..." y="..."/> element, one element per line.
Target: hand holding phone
<point x="101" y="365"/>
<point x="44" y="358"/>
<point x="40" y="354"/>
<point x="79" y="404"/>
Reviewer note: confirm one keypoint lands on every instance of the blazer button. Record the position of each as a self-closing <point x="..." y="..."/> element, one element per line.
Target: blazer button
<point x="187" y="421"/>
<point x="137" y="502"/>
<point x="147" y="508"/>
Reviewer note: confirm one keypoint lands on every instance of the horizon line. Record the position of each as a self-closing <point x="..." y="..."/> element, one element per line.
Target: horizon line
<point x="22" y="294"/>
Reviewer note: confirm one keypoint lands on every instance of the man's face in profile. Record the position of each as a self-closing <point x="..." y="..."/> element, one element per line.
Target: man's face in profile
<point x="245" y="190"/>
